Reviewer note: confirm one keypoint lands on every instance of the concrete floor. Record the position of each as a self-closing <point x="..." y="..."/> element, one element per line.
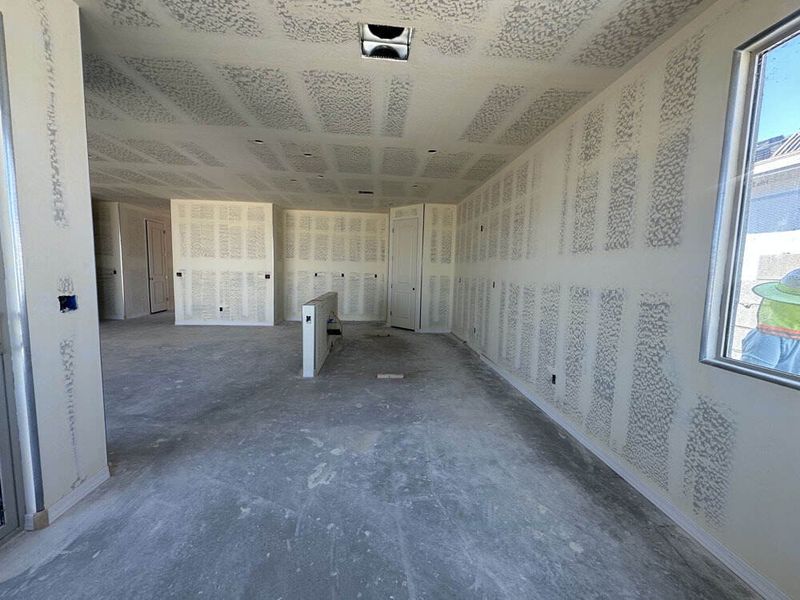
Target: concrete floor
<point x="235" y="478"/>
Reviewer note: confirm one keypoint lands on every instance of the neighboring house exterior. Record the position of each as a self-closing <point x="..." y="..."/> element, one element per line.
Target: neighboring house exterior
<point x="772" y="246"/>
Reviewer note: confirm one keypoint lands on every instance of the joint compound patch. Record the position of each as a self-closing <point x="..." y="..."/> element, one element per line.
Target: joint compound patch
<point x="59" y="205"/>
<point x="655" y="394"/>
<point x="598" y="419"/>
<point x="67" y="351"/>
<point x="708" y="460"/>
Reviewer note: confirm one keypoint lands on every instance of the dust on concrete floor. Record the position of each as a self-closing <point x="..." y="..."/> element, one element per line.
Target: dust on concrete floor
<point x="235" y="478"/>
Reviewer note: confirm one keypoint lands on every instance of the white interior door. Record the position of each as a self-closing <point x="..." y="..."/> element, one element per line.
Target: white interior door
<point x="404" y="280"/>
<point x="157" y="266"/>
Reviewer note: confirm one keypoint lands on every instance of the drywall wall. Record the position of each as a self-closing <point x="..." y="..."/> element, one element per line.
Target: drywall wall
<point x="344" y="252"/>
<point x="47" y="113"/>
<point x="133" y="230"/>
<point x="222" y="262"/>
<point x="438" y="267"/>
<point x="108" y="260"/>
<point x="592" y="267"/>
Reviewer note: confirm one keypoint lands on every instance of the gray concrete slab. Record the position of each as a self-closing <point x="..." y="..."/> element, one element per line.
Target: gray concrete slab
<point x="235" y="478"/>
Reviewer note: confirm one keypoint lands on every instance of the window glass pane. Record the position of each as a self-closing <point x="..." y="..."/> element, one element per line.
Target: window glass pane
<point x="765" y="328"/>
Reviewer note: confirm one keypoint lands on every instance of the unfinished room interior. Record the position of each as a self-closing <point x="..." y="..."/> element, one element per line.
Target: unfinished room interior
<point x="400" y="299"/>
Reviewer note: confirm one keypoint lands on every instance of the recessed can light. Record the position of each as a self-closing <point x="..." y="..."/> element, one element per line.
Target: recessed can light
<point x="432" y="151"/>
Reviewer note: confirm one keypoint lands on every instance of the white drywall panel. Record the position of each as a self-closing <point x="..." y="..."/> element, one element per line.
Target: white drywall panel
<point x="108" y="260"/>
<point x="343" y="252"/>
<point x="438" y="267"/>
<point x="47" y="111"/>
<point x="222" y="257"/>
<point x="587" y="259"/>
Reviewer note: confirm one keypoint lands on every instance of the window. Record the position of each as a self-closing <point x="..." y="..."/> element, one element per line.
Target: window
<point x="753" y="310"/>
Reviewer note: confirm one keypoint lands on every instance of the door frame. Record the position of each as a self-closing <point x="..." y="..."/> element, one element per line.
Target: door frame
<point x="166" y="270"/>
<point x="420" y="236"/>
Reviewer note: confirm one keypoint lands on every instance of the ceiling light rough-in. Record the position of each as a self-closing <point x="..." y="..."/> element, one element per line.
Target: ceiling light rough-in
<point x="545" y="111"/>
<point x="343" y="101"/>
<point x="118" y="89"/>
<point x="266" y="93"/>
<point x="184" y="84"/>
<point x="296" y="154"/>
<point x="631" y="30"/>
<point x="539" y="30"/>
<point x="287" y="184"/>
<point x="496" y="106"/>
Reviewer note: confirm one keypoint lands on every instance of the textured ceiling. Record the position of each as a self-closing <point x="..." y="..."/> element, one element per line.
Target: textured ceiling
<point x="175" y="89"/>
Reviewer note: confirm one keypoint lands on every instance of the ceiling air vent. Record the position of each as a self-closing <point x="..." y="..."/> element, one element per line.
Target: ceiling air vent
<point x="385" y="41"/>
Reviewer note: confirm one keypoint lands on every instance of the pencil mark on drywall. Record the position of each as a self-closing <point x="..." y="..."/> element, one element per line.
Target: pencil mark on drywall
<point x="57" y="200"/>
<point x="67" y="351"/>
<point x="598" y="419"/>
<point x="708" y="459"/>
<point x="655" y="393"/>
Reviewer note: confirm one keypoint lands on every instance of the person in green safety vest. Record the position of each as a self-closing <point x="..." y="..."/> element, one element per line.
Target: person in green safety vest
<point x="775" y="342"/>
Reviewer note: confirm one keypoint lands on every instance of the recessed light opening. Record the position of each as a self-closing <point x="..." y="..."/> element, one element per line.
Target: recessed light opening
<point x="388" y="42"/>
<point x="386" y="32"/>
<point x="385" y="52"/>
<point x="432" y="151"/>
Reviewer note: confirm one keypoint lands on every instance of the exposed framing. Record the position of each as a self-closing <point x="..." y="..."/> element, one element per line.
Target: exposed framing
<point x="735" y="177"/>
